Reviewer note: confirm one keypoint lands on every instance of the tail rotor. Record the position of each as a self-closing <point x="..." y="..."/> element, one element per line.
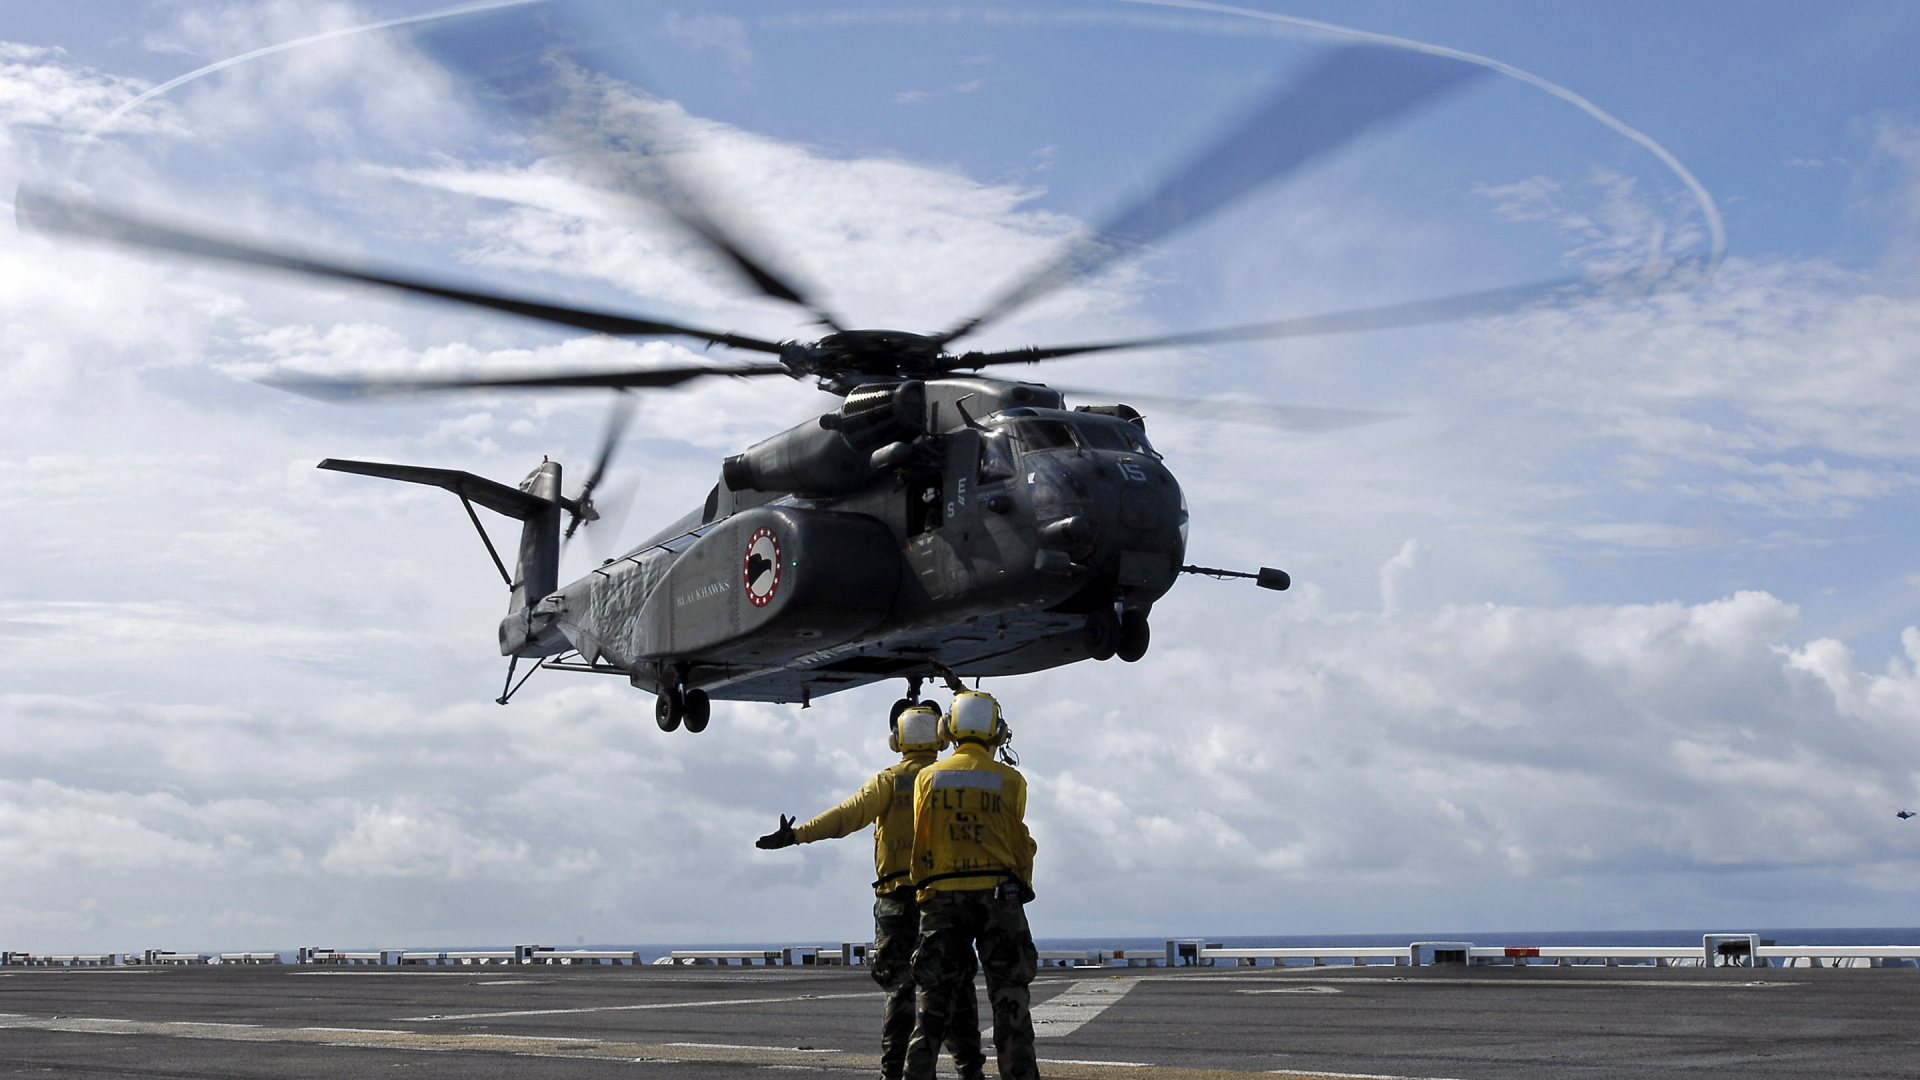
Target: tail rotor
<point x="582" y="509"/>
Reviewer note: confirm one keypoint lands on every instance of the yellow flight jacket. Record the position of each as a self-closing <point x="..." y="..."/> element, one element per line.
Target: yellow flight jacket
<point x="969" y="824"/>
<point x="886" y="803"/>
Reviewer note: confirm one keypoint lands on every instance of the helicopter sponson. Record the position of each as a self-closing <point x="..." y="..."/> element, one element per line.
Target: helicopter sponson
<point x="973" y="525"/>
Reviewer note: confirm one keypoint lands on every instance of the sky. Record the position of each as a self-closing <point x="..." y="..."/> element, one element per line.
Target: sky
<point x="1616" y="628"/>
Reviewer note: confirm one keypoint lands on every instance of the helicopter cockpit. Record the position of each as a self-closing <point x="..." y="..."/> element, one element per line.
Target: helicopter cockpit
<point x="1096" y="427"/>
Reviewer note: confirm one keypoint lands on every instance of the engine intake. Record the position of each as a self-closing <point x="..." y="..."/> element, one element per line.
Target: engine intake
<point x="835" y="455"/>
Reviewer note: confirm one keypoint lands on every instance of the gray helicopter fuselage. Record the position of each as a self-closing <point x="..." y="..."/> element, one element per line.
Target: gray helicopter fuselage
<point x="967" y="522"/>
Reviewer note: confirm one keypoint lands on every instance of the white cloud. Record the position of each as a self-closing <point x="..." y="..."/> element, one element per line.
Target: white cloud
<point x="1482" y="751"/>
<point x="1393" y="574"/>
<point x="39" y="88"/>
<point x="721" y="35"/>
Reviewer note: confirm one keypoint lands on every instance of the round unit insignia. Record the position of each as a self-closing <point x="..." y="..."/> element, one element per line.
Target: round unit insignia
<point x="762" y="567"/>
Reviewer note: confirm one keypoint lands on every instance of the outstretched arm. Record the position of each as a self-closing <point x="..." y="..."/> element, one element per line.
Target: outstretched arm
<point x="861" y="809"/>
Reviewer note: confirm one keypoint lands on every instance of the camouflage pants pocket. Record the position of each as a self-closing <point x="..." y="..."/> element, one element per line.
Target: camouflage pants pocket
<point x="896" y="930"/>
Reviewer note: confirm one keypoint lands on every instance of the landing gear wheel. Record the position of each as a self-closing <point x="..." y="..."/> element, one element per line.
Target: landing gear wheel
<point x="699" y="711"/>
<point x="893" y="715"/>
<point x="669" y="709"/>
<point x="1103" y="633"/>
<point x="1135" y="635"/>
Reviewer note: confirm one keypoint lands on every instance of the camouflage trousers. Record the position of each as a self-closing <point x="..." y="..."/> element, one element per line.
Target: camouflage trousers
<point x="951" y="925"/>
<point x="896" y="930"/>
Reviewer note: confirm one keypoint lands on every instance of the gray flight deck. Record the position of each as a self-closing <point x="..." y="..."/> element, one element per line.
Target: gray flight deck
<point x="1141" y="1023"/>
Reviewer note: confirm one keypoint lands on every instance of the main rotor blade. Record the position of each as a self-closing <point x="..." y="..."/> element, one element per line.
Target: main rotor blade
<point x="1541" y="296"/>
<point x="44" y="211"/>
<point x="1356" y="89"/>
<point x="332" y="389"/>
<point x="1303" y="418"/>
<point x="523" y="57"/>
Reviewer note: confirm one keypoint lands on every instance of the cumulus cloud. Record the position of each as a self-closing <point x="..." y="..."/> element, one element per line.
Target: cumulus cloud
<point x="720" y="35"/>
<point x="1488" y="753"/>
<point x="1482" y="750"/>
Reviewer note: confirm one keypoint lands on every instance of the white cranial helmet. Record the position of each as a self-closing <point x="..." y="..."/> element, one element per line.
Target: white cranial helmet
<point x="974" y="716"/>
<point x="917" y="728"/>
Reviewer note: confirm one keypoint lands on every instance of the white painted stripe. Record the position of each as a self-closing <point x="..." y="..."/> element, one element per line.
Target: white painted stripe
<point x="748" y="1046"/>
<point x="968" y="778"/>
<point x="1078" y="1003"/>
<point x="641" y="1008"/>
<point x="1542" y="979"/>
<point x="1316" y="1074"/>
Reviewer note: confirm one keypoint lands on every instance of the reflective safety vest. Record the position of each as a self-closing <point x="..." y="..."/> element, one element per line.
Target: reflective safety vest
<point x="969" y="824"/>
<point x="886" y="803"/>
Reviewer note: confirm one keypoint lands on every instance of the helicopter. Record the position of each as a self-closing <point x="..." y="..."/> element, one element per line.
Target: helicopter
<point x="939" y="522"/>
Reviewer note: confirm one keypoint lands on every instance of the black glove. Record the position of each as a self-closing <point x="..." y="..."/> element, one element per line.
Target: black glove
<point x="779" y="838"/>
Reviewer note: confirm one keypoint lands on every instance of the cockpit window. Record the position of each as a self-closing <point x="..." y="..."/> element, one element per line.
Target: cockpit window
<point x="996" y="458"/>
<point x="1042" y="434"/>
<point x="1137" y="439"/>
<point x="1104" y="437"/>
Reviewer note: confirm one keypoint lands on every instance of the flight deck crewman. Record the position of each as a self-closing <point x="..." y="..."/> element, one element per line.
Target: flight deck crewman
<point x="886" y="803"/>
<point x="973" y="865"/>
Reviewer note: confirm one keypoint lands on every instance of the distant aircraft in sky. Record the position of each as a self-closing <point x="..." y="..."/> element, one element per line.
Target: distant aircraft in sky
<point x="1904" y="814"/>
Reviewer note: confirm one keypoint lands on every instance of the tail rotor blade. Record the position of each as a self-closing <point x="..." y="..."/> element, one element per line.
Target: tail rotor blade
<point x="615" y="506"/>
<point x="617" y="422"/>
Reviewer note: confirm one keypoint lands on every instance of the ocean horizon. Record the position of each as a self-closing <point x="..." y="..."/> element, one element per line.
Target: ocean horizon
<point x="1850" y="935"/>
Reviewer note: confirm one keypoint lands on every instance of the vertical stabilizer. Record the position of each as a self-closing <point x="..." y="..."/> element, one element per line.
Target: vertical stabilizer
<point x="530" y="627"/>
<point x="537" y="574"/>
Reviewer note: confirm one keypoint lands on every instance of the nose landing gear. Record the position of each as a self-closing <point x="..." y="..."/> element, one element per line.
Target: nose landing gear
<point x="1135" y="635"/>
<point x="1103" y="633"/>
<point x="1124" y="634"/>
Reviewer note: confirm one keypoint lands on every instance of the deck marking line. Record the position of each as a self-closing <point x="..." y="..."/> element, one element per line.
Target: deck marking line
<point x="1350" y="1076"/>
<point x="546" y="1046"/>
<point x="1295" y="990"/>
<point x="1522" y="982"/>
<point x="639" y="1008"/>
<point x="358" y="1031"/>
<point x="1062" y="1014"/>
<point x="746" y="1046"/>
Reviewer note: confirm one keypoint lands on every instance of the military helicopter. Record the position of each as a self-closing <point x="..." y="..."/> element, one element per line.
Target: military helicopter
<point x="938" y="522"/>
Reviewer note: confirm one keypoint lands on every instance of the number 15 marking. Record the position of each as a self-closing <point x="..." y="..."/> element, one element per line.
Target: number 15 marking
<point x="1133" y="472"/>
